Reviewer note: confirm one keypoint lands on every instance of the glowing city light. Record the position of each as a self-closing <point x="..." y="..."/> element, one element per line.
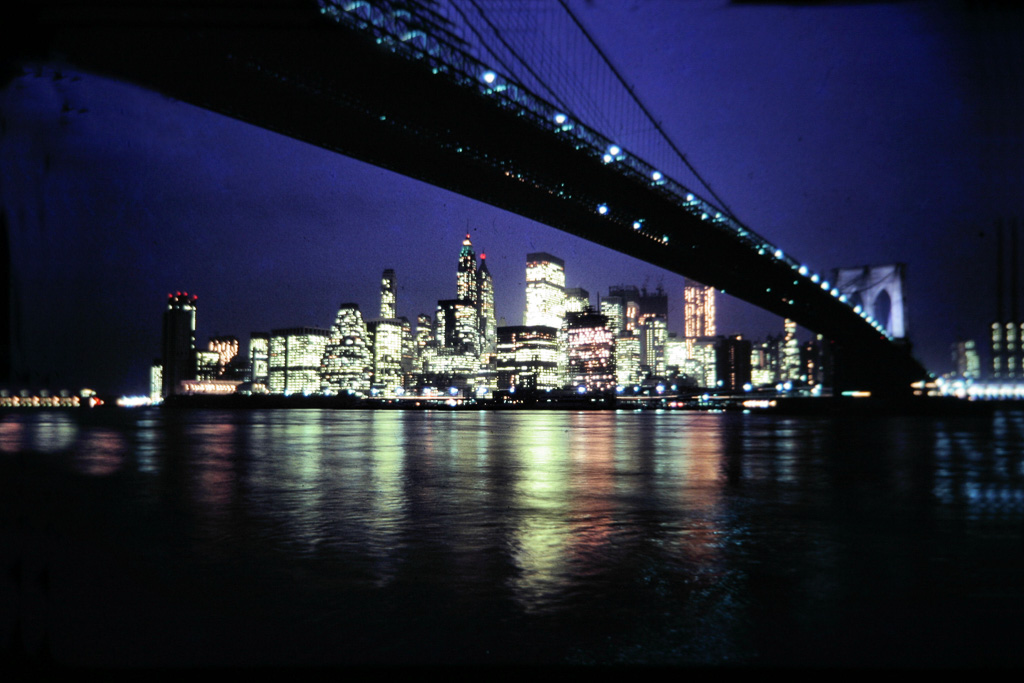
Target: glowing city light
<point x="656" y="176"/>
<point x="602" y="209"/>
<point x="561" y="118"/>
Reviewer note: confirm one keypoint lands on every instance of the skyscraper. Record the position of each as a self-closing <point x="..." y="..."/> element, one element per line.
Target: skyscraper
<point x="468" y="288"/>
<point x="698" y="311"/>
<point x="295" y="356"/>
<point x="545" y="290"/>
<point x="488" y="324"/>
<point x="388" y="294"/>
<point x="179" y="341"/>
<point x="347" y="364"/>
<point x="591" y="352"/>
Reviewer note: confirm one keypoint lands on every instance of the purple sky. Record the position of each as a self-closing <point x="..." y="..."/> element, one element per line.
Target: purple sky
<point x="847" y="134"/>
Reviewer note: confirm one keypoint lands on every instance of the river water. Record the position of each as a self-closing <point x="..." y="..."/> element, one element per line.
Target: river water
<point x="199" y="537"/>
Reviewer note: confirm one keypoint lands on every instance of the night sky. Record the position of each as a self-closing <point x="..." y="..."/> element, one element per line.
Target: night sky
<point x="847" y="134"/>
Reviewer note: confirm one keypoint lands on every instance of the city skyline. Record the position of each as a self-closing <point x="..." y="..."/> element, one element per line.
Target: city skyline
<point x="856" y="155"/>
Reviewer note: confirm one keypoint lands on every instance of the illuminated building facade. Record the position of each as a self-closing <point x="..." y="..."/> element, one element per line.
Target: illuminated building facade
<point x="467" y="288"/>
<point x="653" y="339"/>
<point x="226" y="347"/>
<point x="591" y="352"/>
<point x="207" y="365"/>
<point x="576" y="299"/>
<point x="527" y="358"/>
<point x="387" y="355"/>
<point x="259" y="359"/>
<point x="424" y="335"/>
<point x="627" y="359"/>
<point x="625" y="301"/>
<point x="698" y="311"/>
<point x="179" y="341"/>
<point x="156" y="381"/>
<point x="388" y="294"/>
<point x="488" y="323"/>
<point x="347" y="363"/>
<point x="294" y="358"/>
<point x="545" y="290"/>
<point x="789" y="365"/>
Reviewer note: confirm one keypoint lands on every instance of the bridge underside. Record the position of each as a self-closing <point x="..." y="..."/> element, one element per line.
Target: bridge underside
<point x="288" y="69"/>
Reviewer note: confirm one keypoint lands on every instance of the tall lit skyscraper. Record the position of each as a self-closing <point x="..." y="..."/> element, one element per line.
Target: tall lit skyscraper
<point x="179" y="341"/>
<point x="789" y="367"/>
<point x="467" y="289"/>
<point x="388" y="294"/>
<point x="653" y="340"/>
<point x="488" y="325"/>
<point x="259" y="363"/>
<point x="698" y="311"/>
<point x="347" y="364"/>
<point x="545" y="290"/>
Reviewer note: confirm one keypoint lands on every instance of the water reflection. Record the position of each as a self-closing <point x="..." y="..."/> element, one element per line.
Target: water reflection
<point x="635" y="536"/>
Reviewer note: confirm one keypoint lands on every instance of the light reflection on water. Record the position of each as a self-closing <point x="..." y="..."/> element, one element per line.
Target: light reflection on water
<point x="636" y="536"/>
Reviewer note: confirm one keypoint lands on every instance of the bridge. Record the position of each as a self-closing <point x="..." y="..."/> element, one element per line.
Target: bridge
<point x="393" y="83"/>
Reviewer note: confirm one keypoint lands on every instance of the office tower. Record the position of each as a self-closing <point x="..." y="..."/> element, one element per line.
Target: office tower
<point x="156" y="381"/>
<point x="294" y="359"/>
<point x="467" y="289"/>
<point x="698" y="311"/>
<point x="627" y="359"/>
<point x="732" y="361"/>
<point x="702" y="362"/>
<point x="424" y="334"/>
<point x="179" y="341"/>
<point x="653" y="339"/>
<point x="591" y="352"/>
<point x="545" y="290"/>
<point x="625" y="300"/>
<point x="615" y="310"/>
<point x="387" y="355"/>
<point x="527" y="358"/>
<point x="488" y="324"/>
<point x="764" y="362"/>
<point x="576" y="299"/>
<point x="675" y="354"/>
<point x="208" y="366"/>
<point x="456" y="325"/>
<point x="789" y="365"/>
<point x="259" y="363"/>
<point x="347" y="363"/>
<point x="388" y="294"/>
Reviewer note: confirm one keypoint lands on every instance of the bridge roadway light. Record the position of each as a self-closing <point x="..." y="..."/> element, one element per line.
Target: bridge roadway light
<point x="561" y="118"/>
<point x="803" y="270"/>
<point x="602" y="209"/>
<point x="656" y="176"/>
<point x="488" y="77"/>
<point x="638" y="224"/>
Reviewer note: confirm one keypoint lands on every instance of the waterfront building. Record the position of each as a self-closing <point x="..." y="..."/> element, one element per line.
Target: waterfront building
<point x="627" y="359"/>
<point x="702" y="362"/>
<point x="732" y="359"/>
<point x="424" y="334"/>
<point x="386" y="336"/>
<point x="226" y="346"/>
<point x="576" y="299"/>
<point x="259" y="354"/>
<point x="208" y="366"/>
<point x="675" y="353"/>
<point x="347" y="362"/>
<point x="545" y="290"/>
<point x="156" y="381"/>
<point x="294" y="358"/>
<point x="591" y="352"/>
<point x="178" y="341"/>
<point x="527" y="358"/>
